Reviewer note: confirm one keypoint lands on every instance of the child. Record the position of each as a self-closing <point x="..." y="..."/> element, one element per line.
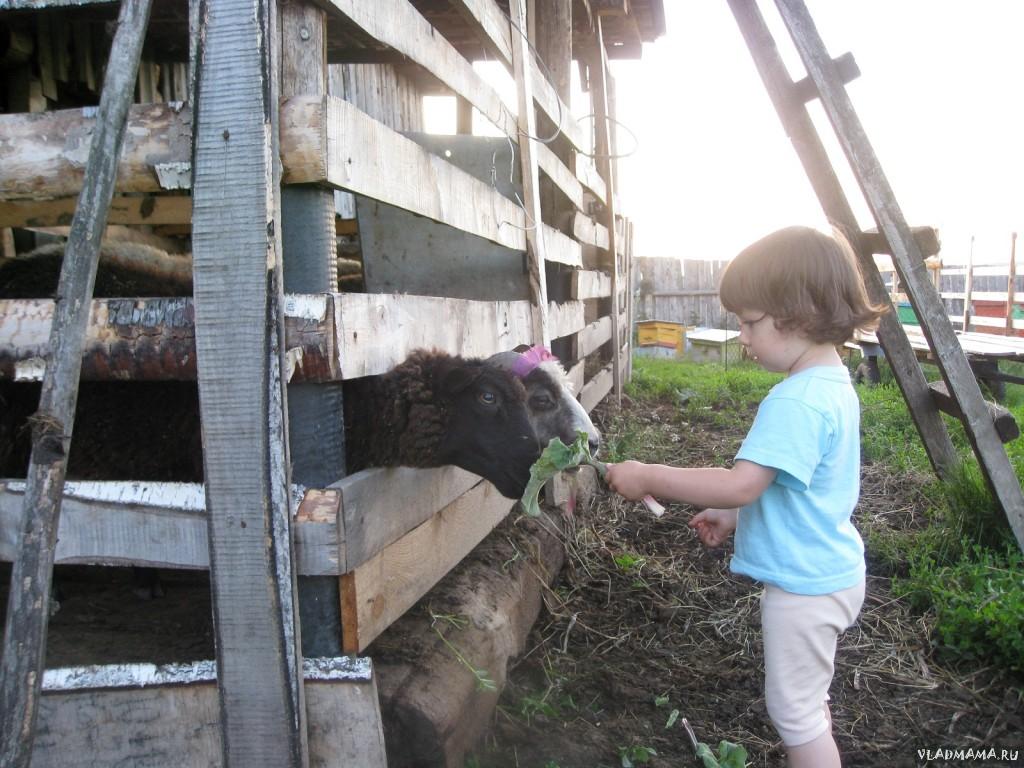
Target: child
<point x="795" y="481"/>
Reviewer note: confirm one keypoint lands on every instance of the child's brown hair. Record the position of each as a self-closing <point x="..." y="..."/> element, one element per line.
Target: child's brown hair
<point x="806" y="280"/>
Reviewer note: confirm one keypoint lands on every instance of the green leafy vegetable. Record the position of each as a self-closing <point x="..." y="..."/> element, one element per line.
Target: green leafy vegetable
<point x="556" y="457"/>
<point x="559" y="456"/>
<point x="729" y="755"/>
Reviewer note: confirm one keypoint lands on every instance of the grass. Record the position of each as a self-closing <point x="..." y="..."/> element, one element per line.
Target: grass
<point x="958" y="564"/>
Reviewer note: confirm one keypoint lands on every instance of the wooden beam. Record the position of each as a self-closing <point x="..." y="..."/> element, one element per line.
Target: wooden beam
<point x="594" y="336"/>
<point x="328" y="337"/>
<point x="378" y="592"/>
<point x="590" y="284"/>
<point x="164" y="525"/>
<point x="381" y="505"/>
<point x="134" y="714"/>
<point x="992" y="458"/>
<point x="604" y="147"/>
<point x="153" y="210"/>
<point x="927" y="239"/>
<point x="239" y="335"/>
<point x="590" y="232"/>
<point x="24" y="643"/>
<point x="846" y="66"/>
<point x="331" y="141"/>
<point x="595" y="390"/>
<point x="527" y="129"/>
<point x="42" y="154"/>
<point x="1004" y="421"/>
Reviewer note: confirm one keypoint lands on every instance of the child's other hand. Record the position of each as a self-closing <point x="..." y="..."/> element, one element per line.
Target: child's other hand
<point x="627" y="479"/>
<point x="713" y="526"/>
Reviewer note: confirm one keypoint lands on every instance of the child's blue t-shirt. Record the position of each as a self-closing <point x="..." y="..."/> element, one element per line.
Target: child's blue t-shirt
<point x="798" y="535"/>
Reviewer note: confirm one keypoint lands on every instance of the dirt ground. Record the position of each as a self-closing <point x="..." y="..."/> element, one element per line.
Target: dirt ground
<point x="646" y="627"/>
<point x="643" y="628"/>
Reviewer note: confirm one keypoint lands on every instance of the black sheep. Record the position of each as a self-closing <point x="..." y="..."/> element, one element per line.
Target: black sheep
<point x="436" y="409"/>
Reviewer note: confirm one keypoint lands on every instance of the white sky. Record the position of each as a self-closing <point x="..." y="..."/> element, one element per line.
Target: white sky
<point x="940" y="96"/>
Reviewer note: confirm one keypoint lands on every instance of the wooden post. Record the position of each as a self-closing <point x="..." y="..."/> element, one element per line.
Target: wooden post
<point x="315" y="411"/>
<point x="535" y="248"/>
<point x="239" y="340"/>
<point x="906" y="255"/>
<point x="553" y="44"/>
<point x="601" y="75"/>
<point x="24" y="653"/>
<point x="968" y="287"/>
<point x="1011" y="280"/>
<point x="811" y="152"/>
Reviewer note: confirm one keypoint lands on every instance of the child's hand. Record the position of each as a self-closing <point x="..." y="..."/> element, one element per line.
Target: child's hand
<point x="713" y="526"/>
<point x="627" y="479"/>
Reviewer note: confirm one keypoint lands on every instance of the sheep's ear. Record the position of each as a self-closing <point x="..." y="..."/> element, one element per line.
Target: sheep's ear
<point x="522" y="348"/>
<point x="458" y="377"/>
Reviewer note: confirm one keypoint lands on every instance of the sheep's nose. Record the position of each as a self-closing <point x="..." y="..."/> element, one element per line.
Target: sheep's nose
<point x="595" y="445"/>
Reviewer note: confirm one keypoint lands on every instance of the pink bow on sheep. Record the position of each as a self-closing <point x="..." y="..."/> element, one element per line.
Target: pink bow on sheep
<point x="530" y="359"/>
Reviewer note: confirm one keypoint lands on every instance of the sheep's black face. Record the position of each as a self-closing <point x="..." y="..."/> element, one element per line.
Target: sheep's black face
<point x="489" y="430"/>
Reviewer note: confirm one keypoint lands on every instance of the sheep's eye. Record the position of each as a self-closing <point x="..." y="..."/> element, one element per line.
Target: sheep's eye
<point x="542" y="402"/>
<point x="487" y="398"/>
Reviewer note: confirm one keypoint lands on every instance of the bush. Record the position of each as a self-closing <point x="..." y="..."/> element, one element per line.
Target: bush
<point x="978" y="604"/>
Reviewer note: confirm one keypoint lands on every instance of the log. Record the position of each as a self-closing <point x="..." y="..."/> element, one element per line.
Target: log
<point x="432" y="707"/>
<point x="43" y="154"/>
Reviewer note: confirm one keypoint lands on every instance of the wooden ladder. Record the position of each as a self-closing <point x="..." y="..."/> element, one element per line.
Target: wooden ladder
<point x="825" y="81"/>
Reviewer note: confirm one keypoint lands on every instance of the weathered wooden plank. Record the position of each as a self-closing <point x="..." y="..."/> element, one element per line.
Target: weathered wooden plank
<point x="379" y="506"/>
<point x="576" y="375"/>
<point x="927" y="239"/>
<point x="327" y="336"/>
<point x="143" y="714"/>
<point x="24" y="643"/>
<point x="591" y="284"/>
<point x="566" y="318"/>
<point x="1004" y="421"/>
<point x="239" y="334"/>
<point x="589" y="232"/>
<point x="44" y="154"/>
<point x="995" y="464"/>
<point x="596" y="389"/>
<point x="561" y="248"/>
<point x="377" y="332"/>
<point x="527" y="125"/>
<point x="165" y="524"/>
<point x="378" y="592"/>
<point x="153" y="524"/>
<point x="152" y="210"/>
<point x="352" y="151"/>
<point x="604" y="113"/>
<point x="595" y="335"/>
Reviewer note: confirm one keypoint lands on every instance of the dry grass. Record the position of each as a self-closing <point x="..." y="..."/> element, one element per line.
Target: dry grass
<point x="644" y="621"/>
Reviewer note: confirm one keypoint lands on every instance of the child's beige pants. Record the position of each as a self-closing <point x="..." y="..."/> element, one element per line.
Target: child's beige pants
<point x="800" y="633"/>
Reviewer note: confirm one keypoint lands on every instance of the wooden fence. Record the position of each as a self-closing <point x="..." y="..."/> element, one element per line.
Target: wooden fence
<point x="681" y="291"/>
